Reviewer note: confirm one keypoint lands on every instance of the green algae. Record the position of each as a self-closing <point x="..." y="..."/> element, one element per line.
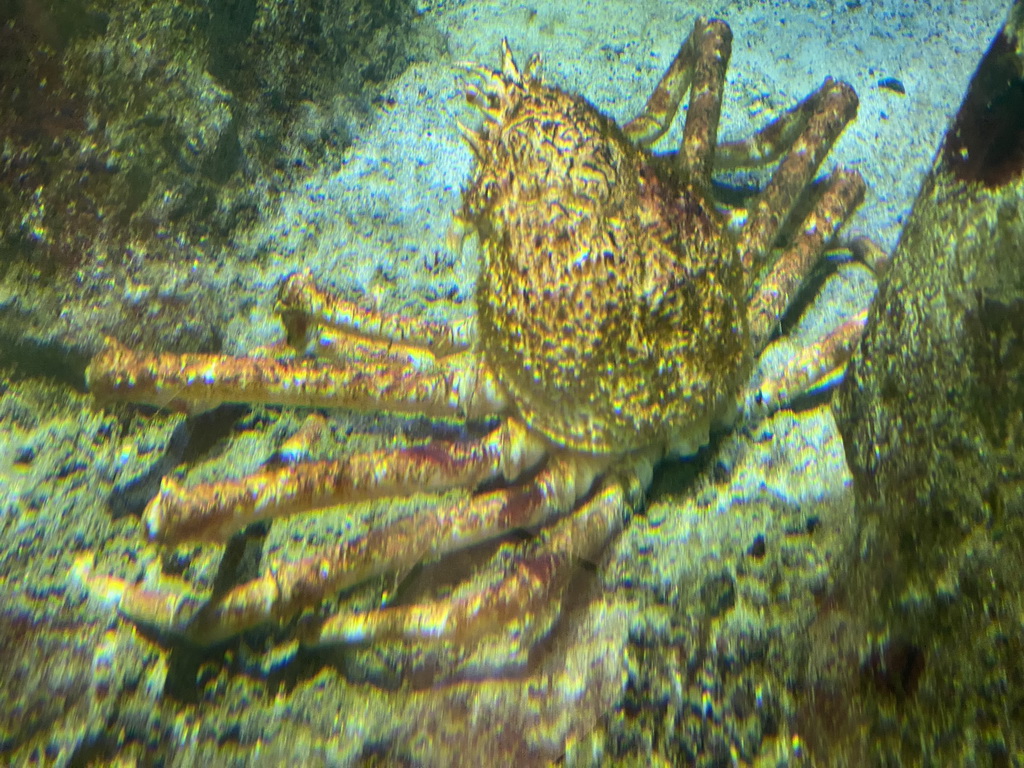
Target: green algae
<point x="933" y="419"/>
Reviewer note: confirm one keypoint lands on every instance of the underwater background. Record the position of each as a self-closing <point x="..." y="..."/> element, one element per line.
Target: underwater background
<point x="166" y="165"/>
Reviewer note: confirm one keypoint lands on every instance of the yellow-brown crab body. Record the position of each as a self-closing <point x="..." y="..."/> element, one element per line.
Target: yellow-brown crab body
<point x="610" y="302"/>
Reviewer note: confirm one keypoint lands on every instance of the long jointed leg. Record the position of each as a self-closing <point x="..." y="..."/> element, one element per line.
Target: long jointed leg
<point x="527" y="576"/>
<point x="843" y="192"/>
<point x="686" y="69"/>
<point x="820" y="364"/>
<point x="768" y="144"/>
<point x="815" y="367"/>
<point x="381" y="361"/>
<point x="829" y="110"/>
<point x="458" y="387"/>
<point x="697" y="155"/>
<point x="699" y="67"/>
<point x="213" y="512"/>
<point x="303" y="305"/>
<point x="287" y="588"/>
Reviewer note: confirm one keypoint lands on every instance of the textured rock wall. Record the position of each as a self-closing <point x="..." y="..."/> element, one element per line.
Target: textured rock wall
<point x="932" y="414"/>
<point x="137" y="135"/>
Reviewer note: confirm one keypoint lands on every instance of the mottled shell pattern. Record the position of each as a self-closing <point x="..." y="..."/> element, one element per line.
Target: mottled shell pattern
<point x="610" y="297"/>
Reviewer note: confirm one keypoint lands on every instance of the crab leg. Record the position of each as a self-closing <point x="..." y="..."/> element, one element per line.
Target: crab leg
<point x="301" y="303"/>
<point x="768" y="144"/>
<point x="287" y="588"/>
<point x="697" y="155"/>
<point x="457" y="387"/>
<point x="213" y="512"/>
<point x="816" y="366"/>
<point x="659" y="111"/>
<point x="527" y="582"/>
<point x="347" y="348"/>
<point x="843" y="192"/>
<point x="834" y="105"/>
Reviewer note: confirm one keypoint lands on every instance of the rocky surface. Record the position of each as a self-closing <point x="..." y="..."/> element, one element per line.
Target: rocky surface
<point x="933" y="420"/>
<point x="146" y="143"/>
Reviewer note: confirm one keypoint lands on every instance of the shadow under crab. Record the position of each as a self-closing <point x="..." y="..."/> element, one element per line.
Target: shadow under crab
<point x="618" y="318"/>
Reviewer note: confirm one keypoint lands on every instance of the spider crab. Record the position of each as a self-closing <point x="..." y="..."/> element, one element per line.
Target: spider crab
<point x="618" y="319"/>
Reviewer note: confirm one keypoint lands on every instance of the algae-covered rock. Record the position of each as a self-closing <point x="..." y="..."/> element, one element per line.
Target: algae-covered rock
<point x="64" y="671"/>
<point x="172" y="119"/>
<point x="932" y="413"/>
<point x="142" y="134"/>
